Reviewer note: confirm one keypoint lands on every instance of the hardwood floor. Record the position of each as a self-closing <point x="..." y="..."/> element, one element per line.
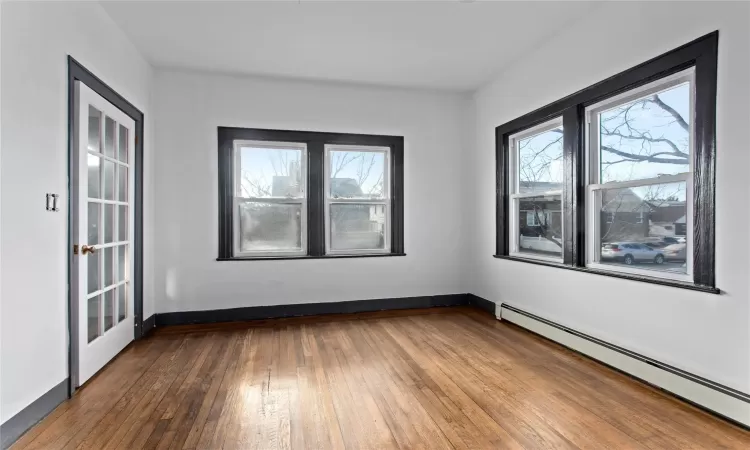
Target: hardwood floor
<point x="438" y="378"/>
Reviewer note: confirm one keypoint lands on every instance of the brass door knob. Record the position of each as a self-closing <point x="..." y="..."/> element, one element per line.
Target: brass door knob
<point x="87" y="249"/>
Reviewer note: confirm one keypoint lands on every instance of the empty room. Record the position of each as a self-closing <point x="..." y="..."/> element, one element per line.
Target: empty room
<point x="374" y="224"/>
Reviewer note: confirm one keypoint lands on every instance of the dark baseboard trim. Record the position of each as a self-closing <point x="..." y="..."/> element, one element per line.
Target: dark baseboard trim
<point x="481" y="303"/>
<point x="17" y="425"/>
<point x="308" y="309"/>
<point x="148" y="325"/>
<point x="720" y="388"/>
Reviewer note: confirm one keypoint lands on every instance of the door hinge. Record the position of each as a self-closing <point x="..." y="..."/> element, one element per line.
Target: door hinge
<point x="75" y="249"/>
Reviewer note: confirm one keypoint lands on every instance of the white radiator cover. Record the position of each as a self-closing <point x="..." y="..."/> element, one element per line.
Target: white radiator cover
<point x="721" y="400"/>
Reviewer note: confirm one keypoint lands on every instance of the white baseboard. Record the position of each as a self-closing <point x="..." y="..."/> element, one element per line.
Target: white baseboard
<point x="716" y="398"/>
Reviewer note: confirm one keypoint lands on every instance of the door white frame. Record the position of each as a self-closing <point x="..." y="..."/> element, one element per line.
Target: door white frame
<point x="77" y="72"/>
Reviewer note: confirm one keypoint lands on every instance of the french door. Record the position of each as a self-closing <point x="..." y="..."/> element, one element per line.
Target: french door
<point x="102" y="228"/>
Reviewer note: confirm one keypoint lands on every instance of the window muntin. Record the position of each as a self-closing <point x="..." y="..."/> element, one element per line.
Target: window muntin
<point x="357" y="199"/>
<point x="640" y="165"/>
<point x="270" y="205"/>
<point x="536" y="163"/>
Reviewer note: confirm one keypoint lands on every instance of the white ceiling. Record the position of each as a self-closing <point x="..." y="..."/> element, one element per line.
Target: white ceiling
<point x="438" y="45"/>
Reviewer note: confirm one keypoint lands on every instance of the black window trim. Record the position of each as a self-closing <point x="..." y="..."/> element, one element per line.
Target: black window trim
<point x="316" y="142"/>
<point x="702" y="54"/>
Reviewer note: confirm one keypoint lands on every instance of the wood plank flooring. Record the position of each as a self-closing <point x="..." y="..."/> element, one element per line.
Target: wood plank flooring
<point x="442" y="378"/>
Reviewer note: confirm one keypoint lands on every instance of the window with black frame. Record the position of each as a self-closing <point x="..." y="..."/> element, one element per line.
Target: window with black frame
<point x="295" y="194"/>
<point x="618" y="179"/>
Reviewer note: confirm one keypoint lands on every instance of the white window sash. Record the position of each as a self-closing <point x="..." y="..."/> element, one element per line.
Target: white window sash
<point x="594" y="188"/>
<point x="238" y="198"/>
<point x="515" y="196"/>
<point x="385" y="200"/>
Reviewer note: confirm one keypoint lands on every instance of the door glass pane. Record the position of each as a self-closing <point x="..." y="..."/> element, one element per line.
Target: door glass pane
<point x="122" y="183"/>
<point x="109" y="137"/>
<point x="108" y="266"/>
<point x="109" y="223"/>
<point x="94" y="168"/>
<point x="122" y="221"/>
<point x="109" y="180"/>
<point x="540" y="162"/>
<point x="109" y="309"/>
<point x="357" y="174"/>
<point x="95" y="123"/>
<point x="123" y="145"/>
<point x="540" y="225"/>
<point x="122" y="302"/>
<point x="93" y="271"/>
<point x="647" y="137"/>
<point x="93" y="218"/>
<point x="271" y="172"/>
<point x="357" y="227"/>
<point x="645" y="227"/>
<point x="122" y="262"/>
<point x="270" y="227"/>
<point x="93" y="318"/>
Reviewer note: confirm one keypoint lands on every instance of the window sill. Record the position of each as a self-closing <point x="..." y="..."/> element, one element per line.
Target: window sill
<point x="282" y="258"/>
<point x="626" y="276"/>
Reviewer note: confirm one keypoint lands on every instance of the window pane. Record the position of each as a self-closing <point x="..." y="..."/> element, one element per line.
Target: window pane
<point x="122" y="183"/>
<point x="357" y="227"/>
<point x="93" y="163"/>
<point x="269" y="227"/>
<point x="540" y="162"/>
<point x="122" y="302"/>
<point x="109" y="309"/>
<point x="647" y="137"/>
<point x="109" y="223"/>
<point x="123" y="264"/>
<point x="95" y="120"/>
<point x="93" y="218"/>
<point x="109" y="137"/>
<point x="93" y="271"/>
<point x="122" y="223"/>
<point x="93" y="318"/>
<point x="357" y="174"/>
<point x="271" y="172"/>
<point x="109" y="180"/>
<point x="108" y="266"/>
<point x="123" y="145"/>
<point x="540" y="225"/>
<point x="655" y="242"/>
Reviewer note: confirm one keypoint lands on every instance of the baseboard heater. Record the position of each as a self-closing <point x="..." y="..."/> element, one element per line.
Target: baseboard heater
<point x="713" y="397"/>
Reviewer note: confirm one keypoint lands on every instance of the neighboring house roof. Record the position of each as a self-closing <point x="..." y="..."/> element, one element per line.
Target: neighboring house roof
<point x="539" y="186"/>
<point x="623" y="200"/>
<point x="669" y="212"/>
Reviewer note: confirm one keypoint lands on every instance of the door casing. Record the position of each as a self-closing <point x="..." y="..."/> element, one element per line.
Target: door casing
<point x="76" y="72"/>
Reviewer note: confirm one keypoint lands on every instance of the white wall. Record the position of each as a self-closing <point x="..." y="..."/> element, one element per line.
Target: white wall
<point x="189" y="107"/>
<point x="36" y="39"/>
<point x="704" y="334"/>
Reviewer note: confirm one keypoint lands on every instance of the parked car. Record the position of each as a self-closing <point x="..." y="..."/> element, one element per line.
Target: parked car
<point x="632" y="253"/>
<point x="665" y="241"/>
<point x="675" y="252"/>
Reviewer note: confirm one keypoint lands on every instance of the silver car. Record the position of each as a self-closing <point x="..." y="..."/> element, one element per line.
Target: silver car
<point x="632" y="253"/>
<point x="675" y="252"/>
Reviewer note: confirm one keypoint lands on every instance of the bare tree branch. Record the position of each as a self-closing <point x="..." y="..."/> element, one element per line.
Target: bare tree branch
<point x="658" y="101"/>
<point x="649" y="158"/>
